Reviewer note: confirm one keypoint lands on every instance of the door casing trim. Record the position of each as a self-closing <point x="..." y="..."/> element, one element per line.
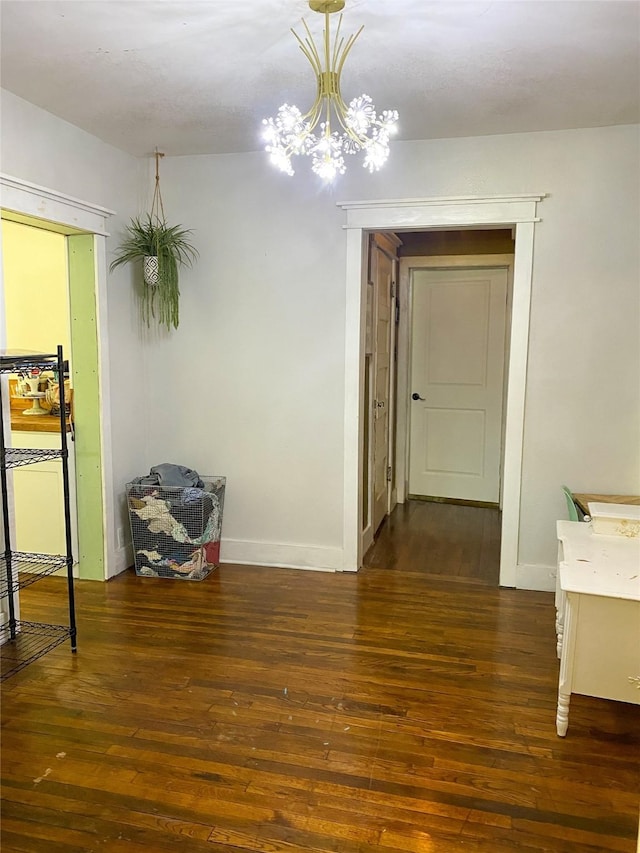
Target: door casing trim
<point x="518" y="211"/>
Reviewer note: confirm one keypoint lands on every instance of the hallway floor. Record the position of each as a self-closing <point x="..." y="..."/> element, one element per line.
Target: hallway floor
<point x="407" y="709"/>
<point x="440" y="539"/>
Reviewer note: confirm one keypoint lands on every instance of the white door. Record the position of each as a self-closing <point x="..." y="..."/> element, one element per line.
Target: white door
<point x="382" y="329"/>
<point x="457" y="368"/>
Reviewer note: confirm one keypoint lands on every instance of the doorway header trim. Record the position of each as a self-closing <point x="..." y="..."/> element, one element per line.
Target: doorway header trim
<point x="440" y="200"/>
<point x="43" y="203"/>
<point x="416" y="213"/>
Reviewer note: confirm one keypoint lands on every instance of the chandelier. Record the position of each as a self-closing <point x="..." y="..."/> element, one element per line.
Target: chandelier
<point x="355" y="127"/>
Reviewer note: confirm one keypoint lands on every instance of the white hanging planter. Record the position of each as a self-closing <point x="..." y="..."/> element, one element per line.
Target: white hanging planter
<point x="150" y="269"/>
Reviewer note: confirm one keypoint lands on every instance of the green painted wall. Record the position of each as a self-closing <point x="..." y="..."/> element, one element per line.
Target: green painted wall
<point x="84" y="347"/>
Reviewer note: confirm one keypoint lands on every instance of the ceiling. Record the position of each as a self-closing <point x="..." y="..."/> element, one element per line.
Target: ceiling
<point x="198" y="77"/>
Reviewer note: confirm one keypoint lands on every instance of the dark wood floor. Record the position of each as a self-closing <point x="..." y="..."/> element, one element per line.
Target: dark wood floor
<point x="406" y="709"/>
<point x="459" y="543"/>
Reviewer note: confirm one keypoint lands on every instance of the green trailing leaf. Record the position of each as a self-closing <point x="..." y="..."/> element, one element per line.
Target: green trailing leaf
<point x="171" y="245"/>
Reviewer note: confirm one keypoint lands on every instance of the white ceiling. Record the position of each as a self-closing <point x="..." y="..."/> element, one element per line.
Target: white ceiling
<point x="198" y="77"/>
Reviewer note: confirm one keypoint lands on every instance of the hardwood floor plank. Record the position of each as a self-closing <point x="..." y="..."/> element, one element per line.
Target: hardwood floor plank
<point x="19" y="842"/>
<point x="121" y="810"/>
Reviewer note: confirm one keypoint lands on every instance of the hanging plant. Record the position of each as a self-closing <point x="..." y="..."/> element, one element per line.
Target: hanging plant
<point x="161" y="249"/>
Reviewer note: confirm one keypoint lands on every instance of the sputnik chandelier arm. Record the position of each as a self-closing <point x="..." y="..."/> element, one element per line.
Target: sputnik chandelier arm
<point x="291" y="133"/>
<point x="328" y="81"/>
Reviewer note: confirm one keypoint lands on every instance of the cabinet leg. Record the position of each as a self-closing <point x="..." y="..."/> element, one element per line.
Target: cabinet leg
<point x="562" y="717"/>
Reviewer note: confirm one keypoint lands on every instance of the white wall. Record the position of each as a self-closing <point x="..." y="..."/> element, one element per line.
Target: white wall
<point x="251" y="385"/>
<point x="263" y="317"/>
<point x="39" y="148"/>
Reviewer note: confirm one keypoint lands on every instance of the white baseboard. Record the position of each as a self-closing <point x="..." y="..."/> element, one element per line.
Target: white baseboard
<point x="283" y="555"/>
<point x="248" y="553"/>
<point x="316" y="558"/>
<point x="541" y="578"/>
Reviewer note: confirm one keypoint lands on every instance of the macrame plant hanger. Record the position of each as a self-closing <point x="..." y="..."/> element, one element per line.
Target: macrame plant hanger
<point x="157" y="206"/>
<point x="162" y="249"/>
<point x="150" y="268"/>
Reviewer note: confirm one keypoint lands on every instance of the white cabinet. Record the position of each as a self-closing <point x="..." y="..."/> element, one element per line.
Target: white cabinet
<point x="598" y="616"/>
<point x="38" y="497"/>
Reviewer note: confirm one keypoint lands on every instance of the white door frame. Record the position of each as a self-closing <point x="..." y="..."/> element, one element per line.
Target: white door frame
<point x="51" y="206"/>
<point x="420" y="214"/>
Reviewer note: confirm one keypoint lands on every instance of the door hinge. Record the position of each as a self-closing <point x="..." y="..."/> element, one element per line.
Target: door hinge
<point x="389" y="473"/>
<point x="393" y="289"/>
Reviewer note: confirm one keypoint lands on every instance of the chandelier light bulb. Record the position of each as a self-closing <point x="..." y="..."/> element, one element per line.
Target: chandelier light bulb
<point x="356" y="127"/>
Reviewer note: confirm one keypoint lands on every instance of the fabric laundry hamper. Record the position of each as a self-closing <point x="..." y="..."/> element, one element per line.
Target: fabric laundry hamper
<point x="176" y="531"/>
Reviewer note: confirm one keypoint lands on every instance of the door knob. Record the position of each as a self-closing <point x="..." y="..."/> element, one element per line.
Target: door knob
<point x="416" y="396"/>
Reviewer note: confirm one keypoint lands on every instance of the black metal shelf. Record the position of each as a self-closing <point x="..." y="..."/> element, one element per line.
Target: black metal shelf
<point x="18" y="361"/>
<point x="32" y="641"/>
<point x="27" y="569"/>
<point x="16" y="456"/>
<point x="23" y="642"/>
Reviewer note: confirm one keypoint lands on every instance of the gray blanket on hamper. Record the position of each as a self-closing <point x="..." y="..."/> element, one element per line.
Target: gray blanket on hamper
<point x="171" y="476"/>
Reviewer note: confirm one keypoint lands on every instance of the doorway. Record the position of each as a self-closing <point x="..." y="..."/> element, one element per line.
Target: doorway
<point x="519" y="212"/>
<point x="453" y="305"/>
<point x="80" y="255"/>
<point x="36" y="308"/>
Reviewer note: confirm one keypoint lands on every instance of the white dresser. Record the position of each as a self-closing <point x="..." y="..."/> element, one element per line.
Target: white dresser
<point x="598" y="616"/>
